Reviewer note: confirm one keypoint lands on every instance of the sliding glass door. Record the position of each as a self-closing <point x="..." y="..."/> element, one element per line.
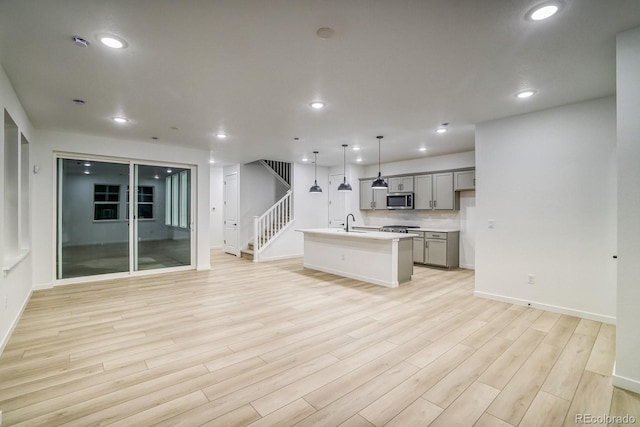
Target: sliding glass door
<point x="103" y="227"/>
<point x="162" y="214"/>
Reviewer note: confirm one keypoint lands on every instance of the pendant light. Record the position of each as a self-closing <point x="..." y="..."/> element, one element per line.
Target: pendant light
<point x="315" y="188"/>
<point x="345" y="186"/>
<point x="379" y="183"/>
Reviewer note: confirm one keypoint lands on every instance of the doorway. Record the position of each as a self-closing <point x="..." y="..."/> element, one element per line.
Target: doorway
<point x="231" y="239"/>
<point x="121" y="217"/>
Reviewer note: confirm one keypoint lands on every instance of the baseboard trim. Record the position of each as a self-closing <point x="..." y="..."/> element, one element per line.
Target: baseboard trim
<point x="203" y="267"/>
<point x="624" y="382"/>
<point x="41" y="286"/>
<point x="275" y="258"/>
<point x="468" y="266"/>
<point x="5" y="339"/>
<point x="548" y="307"/>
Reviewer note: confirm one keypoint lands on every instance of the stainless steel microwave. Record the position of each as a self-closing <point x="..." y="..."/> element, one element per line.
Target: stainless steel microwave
<point x="400" y="201"/>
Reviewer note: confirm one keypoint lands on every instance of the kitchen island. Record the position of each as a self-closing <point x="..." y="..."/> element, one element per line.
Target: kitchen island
<point x="376" y="257"/>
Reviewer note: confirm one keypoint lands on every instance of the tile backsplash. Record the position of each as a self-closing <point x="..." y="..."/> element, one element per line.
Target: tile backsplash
<point x="425" y="219"/>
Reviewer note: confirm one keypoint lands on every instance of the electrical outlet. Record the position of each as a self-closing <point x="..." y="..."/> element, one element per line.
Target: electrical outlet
<point x="531" y="279"/>
<point x="492" y="223"/>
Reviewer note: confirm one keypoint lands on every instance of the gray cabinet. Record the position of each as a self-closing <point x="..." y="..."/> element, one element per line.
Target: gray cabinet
<point x="370" y="198"/>
<point x="435" y="192"/>
<point x="401" y="184"/>
<point x="464" y="180"/>
<point x="436" y="248"/>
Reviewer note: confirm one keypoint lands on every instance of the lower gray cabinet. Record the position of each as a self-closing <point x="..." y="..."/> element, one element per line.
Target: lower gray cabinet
<point x="436" y="248"/>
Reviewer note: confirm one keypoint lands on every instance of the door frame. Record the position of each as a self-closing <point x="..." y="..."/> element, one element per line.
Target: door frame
<point x="130" y="162"/>
<point x="225" y="248"/>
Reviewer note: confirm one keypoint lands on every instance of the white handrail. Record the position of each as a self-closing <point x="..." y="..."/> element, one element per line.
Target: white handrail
<point x="270" y="223"/>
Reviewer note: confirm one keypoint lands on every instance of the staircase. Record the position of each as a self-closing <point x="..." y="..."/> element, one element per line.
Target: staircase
<point x="282" y="170"/>
<point x="268" y="226"/>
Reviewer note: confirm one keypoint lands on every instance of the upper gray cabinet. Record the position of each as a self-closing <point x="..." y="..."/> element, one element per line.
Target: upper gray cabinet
<point x="435" y="191"/>
<point x="370" y="198"/>
<point x="401" y="184"/>
<point x="464" y="180"/>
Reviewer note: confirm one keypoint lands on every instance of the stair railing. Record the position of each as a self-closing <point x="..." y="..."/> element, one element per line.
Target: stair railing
<point x="268" y="225"/>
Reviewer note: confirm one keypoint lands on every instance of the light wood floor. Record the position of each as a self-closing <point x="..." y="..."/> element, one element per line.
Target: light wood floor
<point x="275" y="344"/>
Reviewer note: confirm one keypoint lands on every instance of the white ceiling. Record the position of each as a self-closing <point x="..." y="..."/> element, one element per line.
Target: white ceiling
<point x="250" y="68"/>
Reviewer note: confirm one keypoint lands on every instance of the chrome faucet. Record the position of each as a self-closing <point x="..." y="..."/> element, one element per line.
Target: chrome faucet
<point x="354" y="220"/>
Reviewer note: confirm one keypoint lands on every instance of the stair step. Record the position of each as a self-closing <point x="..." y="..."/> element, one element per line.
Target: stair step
<point x="246" y="253"/>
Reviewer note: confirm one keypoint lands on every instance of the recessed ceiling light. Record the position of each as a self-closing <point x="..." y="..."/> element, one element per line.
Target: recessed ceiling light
<point x="305" y="159"/>
<point x="120" y="119"/>
<point x="422" y="149"/>
<point x="212" y="161"/>
<point x="169" y="171"/>
<point x="156" y="176"/>
<point x="87" y="164"/>
<point x="114" y="42"/>
<point x="221" y="135"/>
<point x="87" y="172"/>
<point x="359" y="159"/>
<point x="441" y="130"/>
<point x="543" y="11"/>
<point x="525" y="94"/>
<point x="317" y="105"/>
<point x="356" y="148"/>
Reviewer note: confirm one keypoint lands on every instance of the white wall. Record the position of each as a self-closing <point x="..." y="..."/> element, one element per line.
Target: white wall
<point x="48" y="142"/>
<point x="309" y="211"/>
<point x="548" y="181"/>
<point x="216" y="188"/>
<point x="259" y="190"/>
<point x="422" y="164"/>
<point x="627" y="368"/>
<point x="15" y="284"/>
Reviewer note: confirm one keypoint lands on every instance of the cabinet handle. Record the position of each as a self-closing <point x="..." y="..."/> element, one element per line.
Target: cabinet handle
<point x="401" y="186"/>
<point x="435" y="203"/>
<point x="431" y="203"/>
<point x="426" y="244"/>
<point x="474" y="182"/>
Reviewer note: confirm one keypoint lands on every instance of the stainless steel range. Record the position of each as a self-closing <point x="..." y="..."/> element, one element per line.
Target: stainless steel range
<point x="398" y="228"/>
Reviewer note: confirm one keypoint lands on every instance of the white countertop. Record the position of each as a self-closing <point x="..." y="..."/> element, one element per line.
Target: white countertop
<point x="371" y="235"/>
<point x="436" y="230"/>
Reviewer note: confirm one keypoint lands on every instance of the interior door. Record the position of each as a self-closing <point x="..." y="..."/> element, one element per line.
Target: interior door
<point x="231" y="214"/>
<point x="336" y="202"/>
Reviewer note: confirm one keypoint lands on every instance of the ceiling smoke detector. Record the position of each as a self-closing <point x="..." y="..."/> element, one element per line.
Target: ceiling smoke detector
<point x="325" y="33"/>
<point x="80" y="41"/>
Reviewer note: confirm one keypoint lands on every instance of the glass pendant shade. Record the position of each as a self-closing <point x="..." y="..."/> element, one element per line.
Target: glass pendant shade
<point x="379" y="183"/>
<point x="344" y="186"/>
<point x="315" y="188"/>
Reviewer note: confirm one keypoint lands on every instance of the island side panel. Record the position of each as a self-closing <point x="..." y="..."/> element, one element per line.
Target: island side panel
<point x="405" y="260"/>
<point x="368" y="260"/>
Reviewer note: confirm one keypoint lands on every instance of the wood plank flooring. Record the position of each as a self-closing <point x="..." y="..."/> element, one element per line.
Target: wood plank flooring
<point x="274" y="344"/>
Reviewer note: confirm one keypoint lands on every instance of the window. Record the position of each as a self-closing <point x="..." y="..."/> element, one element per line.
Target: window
<point x="145" y="202"/>
<point x="106" y="201"/>
<point x="177" y="200"/>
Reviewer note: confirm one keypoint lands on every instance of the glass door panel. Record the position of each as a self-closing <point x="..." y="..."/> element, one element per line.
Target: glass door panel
<point x="162" y="217"/>
<point x="92" y="225"/>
